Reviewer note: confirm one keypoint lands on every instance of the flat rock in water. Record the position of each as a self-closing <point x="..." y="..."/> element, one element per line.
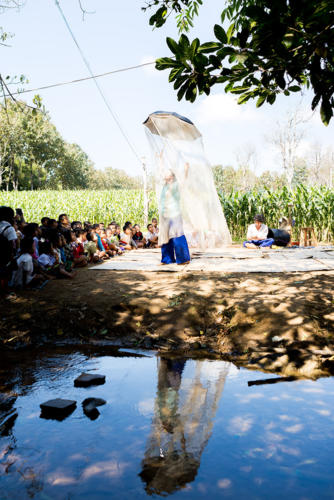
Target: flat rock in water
<point x="89" y="407"/>
<point x="58" y="408"/>
<point x="87" y="379"/>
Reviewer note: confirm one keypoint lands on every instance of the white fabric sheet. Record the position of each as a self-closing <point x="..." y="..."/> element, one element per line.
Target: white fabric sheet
<point x="185" y="185"/>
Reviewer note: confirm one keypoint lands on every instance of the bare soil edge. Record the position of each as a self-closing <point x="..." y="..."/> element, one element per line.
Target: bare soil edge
<point x="278" y="323"/>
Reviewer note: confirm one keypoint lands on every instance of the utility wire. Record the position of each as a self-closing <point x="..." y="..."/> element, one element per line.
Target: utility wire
<point x="96" y="83"/>
<point x="60" y="84"/>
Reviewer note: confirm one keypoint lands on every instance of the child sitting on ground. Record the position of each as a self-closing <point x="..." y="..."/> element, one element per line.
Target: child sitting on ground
<point x="112" y="240"/>
<point x="78" y="239"/>
<point x="151" y="237"/>
<point x="257" y="234"/>
<point x="126" y="240"/>
<point x="138" y="237"/>
<point x="107" y="249"/>
<point x="90" y="247"/>
<point x="24" y="275"/>
<point x="95" y="238"/>
<point x="155" y="225"/>
<point x="50" y="259"/>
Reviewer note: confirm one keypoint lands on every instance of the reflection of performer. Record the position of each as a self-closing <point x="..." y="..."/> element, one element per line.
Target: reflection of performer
<point x="182" y="424"/>
<point x="174" y="244"/>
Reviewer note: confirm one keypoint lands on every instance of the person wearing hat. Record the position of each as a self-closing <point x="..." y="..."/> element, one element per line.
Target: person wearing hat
<point x="257" y="234"/>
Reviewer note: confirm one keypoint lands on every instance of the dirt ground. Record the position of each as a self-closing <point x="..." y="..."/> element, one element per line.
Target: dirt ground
<point x="282" y="323"/>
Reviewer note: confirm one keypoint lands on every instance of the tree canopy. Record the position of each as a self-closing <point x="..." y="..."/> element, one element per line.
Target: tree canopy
<point x="33" y="155"/>
<point x="261" y="48"/>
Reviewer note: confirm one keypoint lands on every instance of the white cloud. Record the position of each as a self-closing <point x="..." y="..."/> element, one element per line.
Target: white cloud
<point x="219" y="108"/>
<point x="240" y="425"/>
<point x="146" y="407"/>
<point x="224" y="483"/>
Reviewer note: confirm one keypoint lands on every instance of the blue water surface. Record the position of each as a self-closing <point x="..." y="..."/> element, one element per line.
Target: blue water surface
<point x="171" y="427"/>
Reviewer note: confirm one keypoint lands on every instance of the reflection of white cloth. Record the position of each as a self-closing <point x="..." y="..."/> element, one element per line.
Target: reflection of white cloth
<point x="254" y="233"/>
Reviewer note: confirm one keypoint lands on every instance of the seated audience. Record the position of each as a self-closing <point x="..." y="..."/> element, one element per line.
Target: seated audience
<point x="24" y="275"/>
<point x="31" y="253"/>
<point x="90" y="247"/>
<point x="126" y="240"/>
<point x="257" y="234"/>
<point x="112" y="240"/>
<point x="151" y="237"/>
<point x="8" y="246"/>
<point x="64" y="226"/>
<point x="50" y="260"/>
<point x="138" y="237"/>
<point x="78" y="245"/>
<point x="155" y="225"/>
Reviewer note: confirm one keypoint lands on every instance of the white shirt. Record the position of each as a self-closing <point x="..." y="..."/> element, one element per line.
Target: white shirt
<point x="148" y="236"/>
<point x="9" y="232"/>
<point x="25" y="267"/>
<point x="259" y="234"/>
<point x="46" y="260"/>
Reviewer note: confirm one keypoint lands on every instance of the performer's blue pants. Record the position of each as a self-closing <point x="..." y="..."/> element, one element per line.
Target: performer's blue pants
<point x="176" y="250"/>
<point x="261" y="243"/>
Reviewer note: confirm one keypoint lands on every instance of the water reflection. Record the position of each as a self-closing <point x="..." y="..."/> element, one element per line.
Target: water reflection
<point x="184" y="411"/>
<point x="176" y="427"/>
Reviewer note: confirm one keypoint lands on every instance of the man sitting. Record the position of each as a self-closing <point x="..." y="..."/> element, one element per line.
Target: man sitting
<point x="257" y="234"/>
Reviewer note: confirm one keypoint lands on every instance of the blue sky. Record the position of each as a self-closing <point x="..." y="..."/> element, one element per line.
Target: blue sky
<point x="118" y="35"/>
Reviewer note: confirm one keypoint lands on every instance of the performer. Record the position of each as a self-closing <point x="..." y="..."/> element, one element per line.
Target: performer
<point x="171" y="235"/>
<point x="190" y="209"/>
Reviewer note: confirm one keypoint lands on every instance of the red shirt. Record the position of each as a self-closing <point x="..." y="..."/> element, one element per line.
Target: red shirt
<point x="78" y="250"/>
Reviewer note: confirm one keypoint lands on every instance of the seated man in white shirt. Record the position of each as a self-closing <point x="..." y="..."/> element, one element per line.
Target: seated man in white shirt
<point x="257" y="234"/>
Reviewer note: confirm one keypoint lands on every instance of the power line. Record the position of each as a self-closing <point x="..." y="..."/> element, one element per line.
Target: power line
<point x="96" y="82"/>
<point x="78" y="80"/>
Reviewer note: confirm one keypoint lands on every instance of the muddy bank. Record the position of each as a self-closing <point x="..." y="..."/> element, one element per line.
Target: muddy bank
<point x="282" y="323"/>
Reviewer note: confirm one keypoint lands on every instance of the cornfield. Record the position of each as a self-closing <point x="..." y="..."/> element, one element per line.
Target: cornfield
<point x="311" y="206"/>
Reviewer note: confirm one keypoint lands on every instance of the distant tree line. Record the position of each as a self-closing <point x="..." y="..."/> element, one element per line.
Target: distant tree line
<point x="33" y="155"/>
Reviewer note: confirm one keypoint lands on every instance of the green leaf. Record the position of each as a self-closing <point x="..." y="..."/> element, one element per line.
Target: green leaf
<point x="194" y="47"/>
<point x="173" y="46"/>
<point x="220" y="33"/>
<point x="184" y="42"/>
<point x="294" y="88"/>
<point x="260" y="101"/>
<point x="175" y="73"/>
<point x="244" y="98"/>
<point x="208" y="47"/>
<point x="230" y="32"/>
<point x="226" y="51"/>
<point x="166" y="62"/>
<point x="271" y="98"/>
<point x="182" y="90"/>
<point x="241" y="58"/>
<point x="326" y="111"/>
<point x="191" y="93"/>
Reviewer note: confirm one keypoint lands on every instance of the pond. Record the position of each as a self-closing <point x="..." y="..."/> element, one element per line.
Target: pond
<point x="181" y="427"/>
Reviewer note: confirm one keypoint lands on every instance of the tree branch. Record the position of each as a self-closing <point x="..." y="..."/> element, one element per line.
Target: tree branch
<point x="84" y="11"/>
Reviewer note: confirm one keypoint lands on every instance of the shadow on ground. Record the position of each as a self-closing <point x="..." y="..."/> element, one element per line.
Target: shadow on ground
<point x="282" y="323"/>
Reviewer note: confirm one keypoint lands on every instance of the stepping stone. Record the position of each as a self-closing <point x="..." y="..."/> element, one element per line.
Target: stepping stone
<point x="87" y="379"/>
<point x="58" y="408"/>
<point x="89" y="407"/>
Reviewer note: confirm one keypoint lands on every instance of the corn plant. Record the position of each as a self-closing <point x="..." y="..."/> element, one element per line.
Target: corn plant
<point x="311" y="206"/>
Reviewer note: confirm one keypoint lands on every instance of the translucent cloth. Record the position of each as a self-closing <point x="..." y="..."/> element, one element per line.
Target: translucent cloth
<point x="184" y="183"/>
